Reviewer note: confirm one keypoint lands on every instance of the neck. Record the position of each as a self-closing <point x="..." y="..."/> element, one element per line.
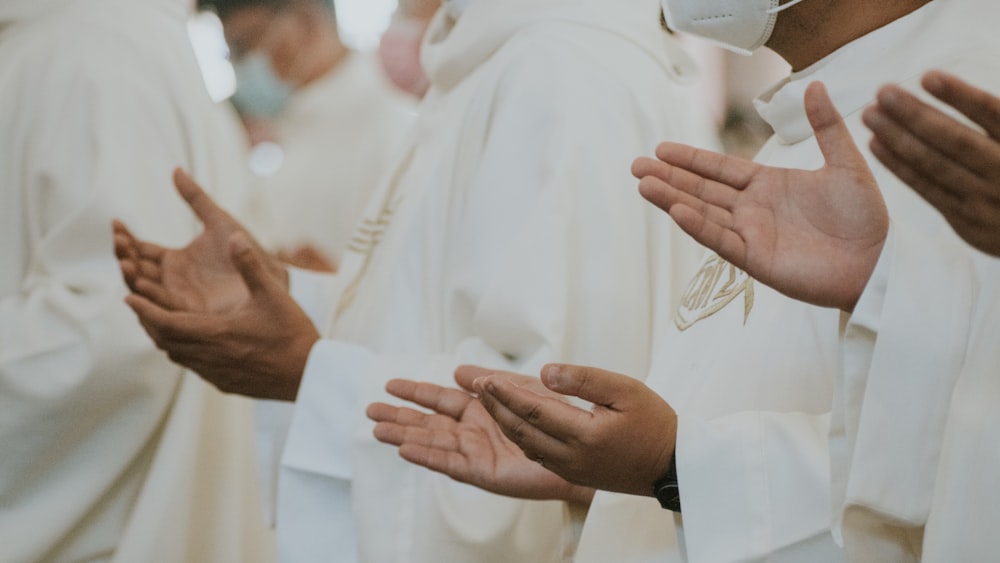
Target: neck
<point x="807" y="32"/>
<point x="327" y="55"/>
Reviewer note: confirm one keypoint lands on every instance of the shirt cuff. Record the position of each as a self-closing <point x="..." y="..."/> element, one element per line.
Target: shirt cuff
<point x="316" y="293"/>
<point x="321" y="436"/>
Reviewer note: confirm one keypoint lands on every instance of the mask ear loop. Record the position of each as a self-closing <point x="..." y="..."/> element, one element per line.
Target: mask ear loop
<point x="782" y="7"/>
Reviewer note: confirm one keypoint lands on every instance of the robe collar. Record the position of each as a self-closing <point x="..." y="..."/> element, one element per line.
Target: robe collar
<point x="932" y="35"/>
<point x="454" y="47"/>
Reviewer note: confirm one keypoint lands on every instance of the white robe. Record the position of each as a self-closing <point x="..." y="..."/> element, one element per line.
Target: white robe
<point x="510" y="235"/>
<point x="920" y="380"/>
<point x="338" y="135"/>
<point x="754" y="376"/>
<point x="109" y="452"/>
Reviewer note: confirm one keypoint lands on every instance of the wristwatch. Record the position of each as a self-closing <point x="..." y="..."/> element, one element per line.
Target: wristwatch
<point x="666" y="490"/>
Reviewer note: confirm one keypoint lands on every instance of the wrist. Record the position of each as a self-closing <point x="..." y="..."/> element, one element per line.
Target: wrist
<point x="666" y="489"/>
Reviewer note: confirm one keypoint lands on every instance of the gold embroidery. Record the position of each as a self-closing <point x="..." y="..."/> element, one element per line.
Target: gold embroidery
<point x="369" y="235"/>
<point x="716" y="285"/>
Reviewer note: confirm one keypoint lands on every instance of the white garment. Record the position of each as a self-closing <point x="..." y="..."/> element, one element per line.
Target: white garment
<point x="919" y="393"/>
<point x="338" y="135"/>
<point x="109" y="452"/>
<point x="510" y="235"/>
<point x="755" y="382"/>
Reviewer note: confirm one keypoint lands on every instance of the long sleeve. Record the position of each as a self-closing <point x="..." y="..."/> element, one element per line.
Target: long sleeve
<point x="755" y="478"/>
<point x="904" y="347"/>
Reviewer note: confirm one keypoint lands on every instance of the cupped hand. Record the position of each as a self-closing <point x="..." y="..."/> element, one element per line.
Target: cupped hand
<point x="256" y="347"/>
<point x="955" y="167"/>
<point x="623" y="444"/>
<point x="201" y="277"/>
<point x="460" y="439"/>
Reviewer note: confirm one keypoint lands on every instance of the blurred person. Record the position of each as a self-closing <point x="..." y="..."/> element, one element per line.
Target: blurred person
<point x="109" y="451"/>
<point x="507" y="235"/>
<point x="399" y="48"/>
<point x="330" y="110"/>
<point x="786" y="412"/>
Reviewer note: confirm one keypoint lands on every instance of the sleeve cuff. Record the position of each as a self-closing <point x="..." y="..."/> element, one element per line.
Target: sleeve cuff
<point x="316" y="293"/>
<point x="322" y="432"/>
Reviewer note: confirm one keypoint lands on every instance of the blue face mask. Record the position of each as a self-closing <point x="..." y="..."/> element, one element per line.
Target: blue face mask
<point x="259" y="91"/>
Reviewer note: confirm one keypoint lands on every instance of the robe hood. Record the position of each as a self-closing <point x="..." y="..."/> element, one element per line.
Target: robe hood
<point x="454" y="48"/>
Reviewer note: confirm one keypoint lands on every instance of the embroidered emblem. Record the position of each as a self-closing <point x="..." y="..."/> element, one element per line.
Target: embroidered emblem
<point x="369" y="236"/>
<point x="716" y="285"/>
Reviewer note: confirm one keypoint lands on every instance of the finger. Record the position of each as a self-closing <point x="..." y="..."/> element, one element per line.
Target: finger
<point x="399" y="434"/>
<point x="449" y="402"/>
<point x="729" y="171"/>
<point x="696" y="186"/>
<point x="168" y="326"/>
<point x="450" y="463"/>
<point x="466" y="376"/>
<point x="203" y="206"/>
<point x="531" y="420"/>
<point x="924" y="164"/>
<point x="978" y="105"/>
<point x="929" y="132"/>
<point x="156" y="293"/>
<point x="252" y="268"/>
<point x="124" y="241"/>
<point x="946" y="200"/>
<point x="598" y="386"/>
<point x="834" y="139"/>
<point x="665" y="196"/>
<point x="722" y="239"/>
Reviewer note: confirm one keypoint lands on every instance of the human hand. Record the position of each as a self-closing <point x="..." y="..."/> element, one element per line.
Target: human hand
<point x="308" y="257"/>
<point x="623" y="444"/>
<point x="257" y="347"/>
<point x="815" y="236"/>
<point x="956" y="168"/>
<point x="459" y="439"/>
<point x="199" y="277"/>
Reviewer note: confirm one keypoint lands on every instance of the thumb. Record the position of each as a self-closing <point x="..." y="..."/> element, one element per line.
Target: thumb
<point x="250" y="265"/>
<point x="835" y="141"/>
<point x="203" y="206"/>
<point x="595" y="385"/>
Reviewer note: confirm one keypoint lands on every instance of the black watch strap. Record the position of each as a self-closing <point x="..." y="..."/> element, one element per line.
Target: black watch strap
<point x="665" y="488"/>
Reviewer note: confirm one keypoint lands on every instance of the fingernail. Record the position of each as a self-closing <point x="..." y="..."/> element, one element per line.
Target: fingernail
<point x="553" y="376"/>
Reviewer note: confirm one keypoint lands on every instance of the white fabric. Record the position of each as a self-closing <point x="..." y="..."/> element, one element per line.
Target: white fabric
<point x="965" y="509"/>
<point x="338" y="135"/>
<point x="919" y="375"/>
<point x="756" y="385"/>
<point x="510" y="235"/>
<point x="110" y="453"/>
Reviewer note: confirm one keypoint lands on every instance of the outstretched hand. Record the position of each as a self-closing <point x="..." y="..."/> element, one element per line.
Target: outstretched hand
<point x="623" y="444"/>
<point x="199" y="277"/>
<point x="815" y="236"/>
<point x="219" y="306"/>
<point x="956" y="168"/>
<point x="459" y="439"/>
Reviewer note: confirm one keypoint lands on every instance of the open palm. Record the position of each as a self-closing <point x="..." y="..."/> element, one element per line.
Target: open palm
<point x="200" y="277"/>
<point x="461" y="440"/>
<point x="813" y="235"/>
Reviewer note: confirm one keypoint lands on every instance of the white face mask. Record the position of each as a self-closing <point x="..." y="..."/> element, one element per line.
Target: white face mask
<point x="259" y="90"/>
<point x="738" y="25"/>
